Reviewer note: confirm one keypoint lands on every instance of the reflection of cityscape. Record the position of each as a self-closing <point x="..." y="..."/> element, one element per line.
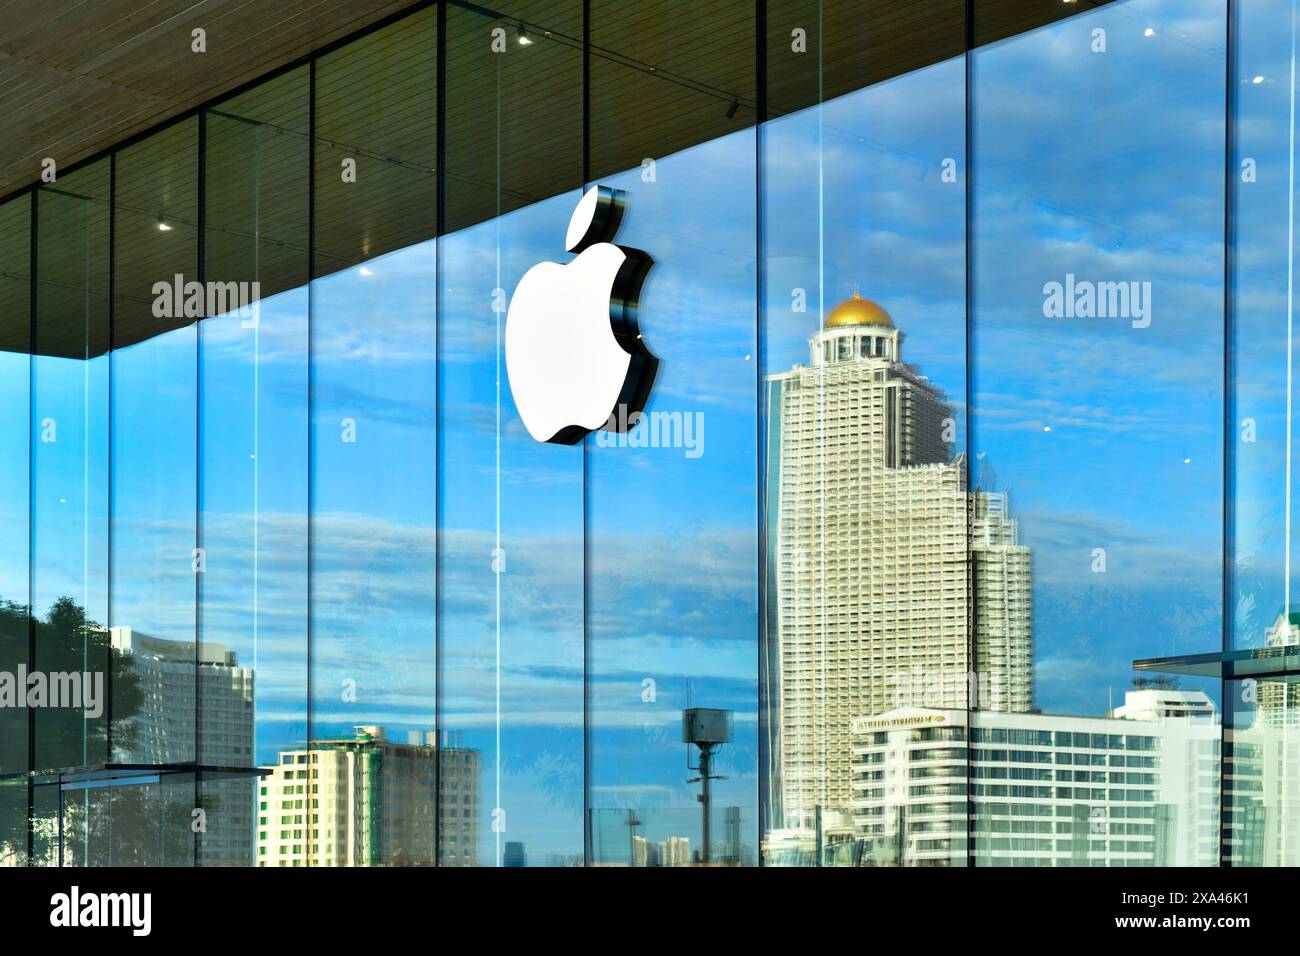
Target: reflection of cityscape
<point x="901" y="735"/>
<point x="183" y="738"/>
<point x="196" y="704"/>
<point x="368" y="801"/>
<point x="656" y="837"/>
<point x="674" y="851"/>
<point x="929" y="784"/>
<point x="172" y="720"/>
<point x="1139" y="787"/>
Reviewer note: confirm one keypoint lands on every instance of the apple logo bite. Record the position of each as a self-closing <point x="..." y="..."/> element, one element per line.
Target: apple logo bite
<point x="573" y="350"/>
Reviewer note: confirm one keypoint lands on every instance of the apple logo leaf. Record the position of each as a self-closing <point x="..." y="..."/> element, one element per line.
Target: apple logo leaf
<point x="574" y="352"/>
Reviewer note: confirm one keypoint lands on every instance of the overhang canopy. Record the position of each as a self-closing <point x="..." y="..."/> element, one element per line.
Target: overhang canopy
<point x="78" y="77"/>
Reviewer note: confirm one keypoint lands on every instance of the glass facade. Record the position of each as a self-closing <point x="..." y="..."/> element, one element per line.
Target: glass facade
<point x="955" y="530"/>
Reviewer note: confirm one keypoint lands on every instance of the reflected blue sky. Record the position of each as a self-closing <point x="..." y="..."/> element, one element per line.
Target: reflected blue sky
<point x="1108" y="166"/>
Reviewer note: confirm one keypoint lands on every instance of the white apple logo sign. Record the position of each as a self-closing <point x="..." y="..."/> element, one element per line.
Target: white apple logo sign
<point x="573" y="350"/>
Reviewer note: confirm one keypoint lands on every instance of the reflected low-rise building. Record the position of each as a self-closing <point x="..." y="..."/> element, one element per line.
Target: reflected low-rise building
<point x="368" y="801"/>
<point x="1137" y="788"/>
<point x="674" y="851"/>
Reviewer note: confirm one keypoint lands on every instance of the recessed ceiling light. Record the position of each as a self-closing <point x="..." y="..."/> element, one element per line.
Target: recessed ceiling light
<point x="1047" y="428"/>
<point x="365" y="272"/>
<point x="163" y="227"/>
<point x="524" y="38"/>
<point x="1257" y="80"/>
<point x="1149" y="32"/>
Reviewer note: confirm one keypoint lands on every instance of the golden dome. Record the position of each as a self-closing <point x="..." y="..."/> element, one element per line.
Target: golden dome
<point x="858" y="311"/>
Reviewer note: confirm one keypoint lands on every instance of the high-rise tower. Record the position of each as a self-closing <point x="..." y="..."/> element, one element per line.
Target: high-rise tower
<point x="876" y="557"/>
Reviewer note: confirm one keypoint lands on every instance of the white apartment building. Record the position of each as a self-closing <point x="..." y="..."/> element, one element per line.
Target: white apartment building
<point x="874" y="548"/>
<point x="367" y="801"/>
<point x="1139" y="788"/>
<point x="675" y="851"/>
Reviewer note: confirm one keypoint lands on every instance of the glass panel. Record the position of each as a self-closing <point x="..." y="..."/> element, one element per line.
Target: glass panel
<point x="15" y="498"/>
<point x="154" y="447"/>
<point x="253" y="502"/>
<point x="1263" y="304"/>
<point x="46" y="821"/>
<point x="70" y="466"/>
<point x="512" y="590"/>
<point x="374" y="455"/>
<point x="672" y="502"/>
<point x="1098" y="371"/>
<point x="13" y="821"/>
<point x="130" y="821"/>
<point x="865" y="468"/>
<point x="1261" y="802"/>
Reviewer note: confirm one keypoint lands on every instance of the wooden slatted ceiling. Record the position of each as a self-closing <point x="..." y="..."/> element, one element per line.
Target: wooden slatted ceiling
<point x="77" y="76"/>
<point x="537" y="93"/>
<point x="376" y="103"/>
<point x="664" y="75"/>
<point x="15" y="277"/>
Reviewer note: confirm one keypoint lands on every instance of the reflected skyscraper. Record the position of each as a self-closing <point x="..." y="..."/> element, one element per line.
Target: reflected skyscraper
<point x="877" y="555"/>
<point x="165" y="729"/>
<point x="196" y="704"/>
